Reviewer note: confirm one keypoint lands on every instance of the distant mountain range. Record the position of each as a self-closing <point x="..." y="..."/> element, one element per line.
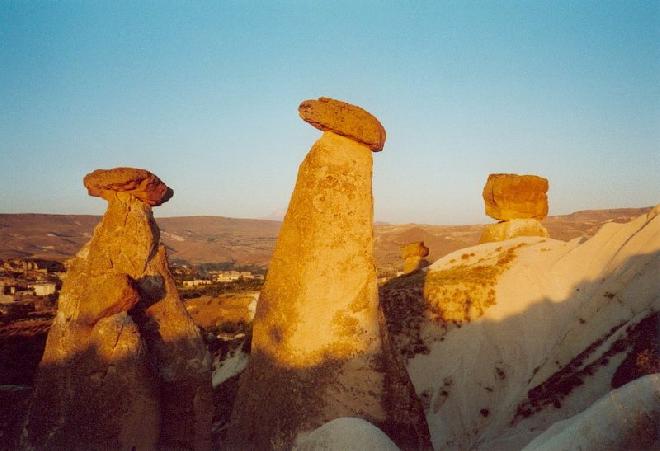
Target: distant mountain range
<point x="216" y="239"/>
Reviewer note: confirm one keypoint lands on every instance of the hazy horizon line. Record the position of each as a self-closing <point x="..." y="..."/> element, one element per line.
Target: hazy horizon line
<point x="486" y="219"/>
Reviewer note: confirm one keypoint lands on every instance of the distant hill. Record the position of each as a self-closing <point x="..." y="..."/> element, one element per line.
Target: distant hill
<point x="215" y="239"/>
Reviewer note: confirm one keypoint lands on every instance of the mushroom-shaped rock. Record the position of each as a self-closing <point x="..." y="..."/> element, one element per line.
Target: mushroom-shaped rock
<point x="513" y="196"/>
<point x="344" y="119"/>
<point x="413" y="254"/>
<point x="124" y="366"/>
<point x="319" y="348"/>
<point x="140" y="183"/>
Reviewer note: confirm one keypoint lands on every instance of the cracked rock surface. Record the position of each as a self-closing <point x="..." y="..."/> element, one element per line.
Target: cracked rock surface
<point x="121" y="340"/>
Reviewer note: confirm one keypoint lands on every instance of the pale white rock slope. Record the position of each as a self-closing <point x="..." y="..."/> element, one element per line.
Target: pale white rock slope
<point x="558" y="321"/>
<point x="625" y="418"/>
<point x="345" y="434"/>
<point x="233" y="363"/>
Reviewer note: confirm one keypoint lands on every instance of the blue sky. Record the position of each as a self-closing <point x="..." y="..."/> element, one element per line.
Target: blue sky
<point x="205" y="95"/>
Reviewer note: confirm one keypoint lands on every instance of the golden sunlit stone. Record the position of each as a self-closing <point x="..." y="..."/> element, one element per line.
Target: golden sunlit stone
<point x="513" y="196"/>
<point x="519" y="201"/>
<point x="319" y="351"/>
<point x="506" y="230"/>
<point x="413" y="254"/>
<point x="320" y="300"/>
<point x="124" y="365"/>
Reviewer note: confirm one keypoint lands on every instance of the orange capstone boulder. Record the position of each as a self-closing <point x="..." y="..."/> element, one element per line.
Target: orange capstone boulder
<point x="513" y="196"/>
<point x="140" y="183"/>
<point x="344" y="119"/>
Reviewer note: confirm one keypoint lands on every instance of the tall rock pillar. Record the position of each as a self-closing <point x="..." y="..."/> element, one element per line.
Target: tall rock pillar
<point x="318" y="349"/>
<point x="122" y="340"/>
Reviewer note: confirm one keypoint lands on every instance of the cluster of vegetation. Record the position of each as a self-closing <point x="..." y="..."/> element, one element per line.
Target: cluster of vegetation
<point x="464" y="291"/>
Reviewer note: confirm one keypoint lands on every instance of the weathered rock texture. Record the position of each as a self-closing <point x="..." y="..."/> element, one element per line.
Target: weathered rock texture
<point x="142" y="184"/>
<point x="413" y="255"/>
<point x="506" y="230"/>
<point x="519" y="201"/>
<point x="318" y="349"/>
<point x="124" y="366"/>
<point x="512" y="196"/>
<point x="344" y="119"/>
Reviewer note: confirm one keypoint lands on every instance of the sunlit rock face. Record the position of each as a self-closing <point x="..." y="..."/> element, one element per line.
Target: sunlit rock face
<point x="124" y="366"/>
<point x="506" y="230"/>
<point x="522" y="335"/>
<point x="519" y="202"/>
<point x="513" y="196"/>
<point x="413" y="256"/>
<point x="318" y="349"/>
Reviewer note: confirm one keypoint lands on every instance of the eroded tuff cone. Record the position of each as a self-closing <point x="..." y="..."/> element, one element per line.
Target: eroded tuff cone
<point x="318" y="349"/>
<point x="506" y="230"/>
<point x="413" y="254"/>
<point x="512" y="196"/>
<point x="140" y="183"/>
<point x="344" y="119"/>
<point x="120" y="342"/>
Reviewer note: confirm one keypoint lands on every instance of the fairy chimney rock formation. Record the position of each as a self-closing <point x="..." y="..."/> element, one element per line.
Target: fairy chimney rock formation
<point x="413" y="255"/>
<point x="124" y="365"/>
<point x="318" y="349"/>
<point x="519" y="202"/>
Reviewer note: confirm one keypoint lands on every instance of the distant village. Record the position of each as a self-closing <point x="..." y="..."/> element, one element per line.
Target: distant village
<point x="32" y="285"/>
<point x="28" y="285"/>
<point x="221" y="277"/>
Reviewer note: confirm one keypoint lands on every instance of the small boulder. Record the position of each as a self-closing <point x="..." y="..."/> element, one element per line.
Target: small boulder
<point x="512" y="196"/>
<point x="413" y="255"/>
<point x="344" y="119"/>
<point x="140" y="183"/>
<point x="506" y="230"/>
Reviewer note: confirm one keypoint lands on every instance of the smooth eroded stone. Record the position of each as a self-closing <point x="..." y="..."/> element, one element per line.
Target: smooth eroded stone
<point x="506" y="230"/>
<point x="141" y="183"/>
<point x="512" y="196"/>
<point x="344" y="119"/>
<point x="319" y="351"/>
